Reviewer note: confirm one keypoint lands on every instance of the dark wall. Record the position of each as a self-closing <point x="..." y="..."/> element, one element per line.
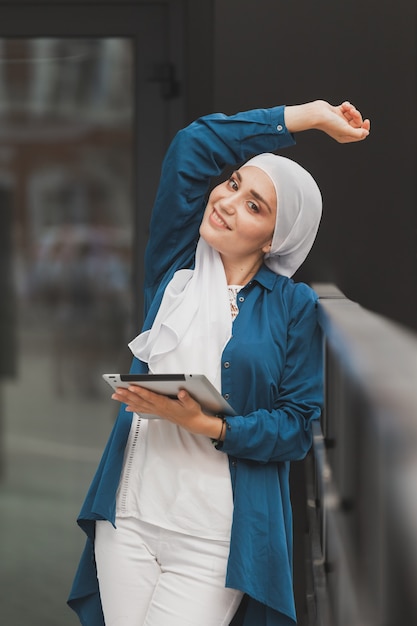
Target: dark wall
<point x="268" y="52"/>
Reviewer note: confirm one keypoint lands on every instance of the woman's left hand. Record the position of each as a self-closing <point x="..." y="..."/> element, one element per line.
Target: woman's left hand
<point x="183" y="410"/>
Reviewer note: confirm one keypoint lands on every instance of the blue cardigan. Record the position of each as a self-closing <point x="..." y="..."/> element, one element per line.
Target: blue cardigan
<point x="271" y="375"/>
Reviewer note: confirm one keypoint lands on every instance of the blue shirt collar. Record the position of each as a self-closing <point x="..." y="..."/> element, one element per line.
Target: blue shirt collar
<point x="266" y="277"/>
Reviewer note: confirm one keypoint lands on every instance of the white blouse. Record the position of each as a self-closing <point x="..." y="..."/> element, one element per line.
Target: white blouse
<point x="174" y="479"/>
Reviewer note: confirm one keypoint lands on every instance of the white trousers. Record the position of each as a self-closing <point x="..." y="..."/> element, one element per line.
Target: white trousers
<point x="149" y="576"/>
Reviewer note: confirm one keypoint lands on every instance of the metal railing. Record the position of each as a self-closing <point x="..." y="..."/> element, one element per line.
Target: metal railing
<point x="362" y="472"/>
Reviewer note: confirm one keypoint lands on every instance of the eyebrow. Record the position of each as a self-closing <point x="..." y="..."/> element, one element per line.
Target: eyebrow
<point x="253" y="192"/>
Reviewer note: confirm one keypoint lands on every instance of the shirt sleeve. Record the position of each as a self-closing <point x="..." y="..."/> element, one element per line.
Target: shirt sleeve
<point x="198" y="153"/>
<point x="284" y="433"/>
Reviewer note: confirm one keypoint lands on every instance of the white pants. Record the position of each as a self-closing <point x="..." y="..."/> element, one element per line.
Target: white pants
<point x="149" y="576"/>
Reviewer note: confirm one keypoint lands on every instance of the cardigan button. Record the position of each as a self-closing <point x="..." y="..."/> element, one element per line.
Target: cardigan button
<point x="226" y="396"/>
<point x="227" y="364"/>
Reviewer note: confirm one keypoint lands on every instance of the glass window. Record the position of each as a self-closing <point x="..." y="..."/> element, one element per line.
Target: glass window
<point x="66" y="146"/>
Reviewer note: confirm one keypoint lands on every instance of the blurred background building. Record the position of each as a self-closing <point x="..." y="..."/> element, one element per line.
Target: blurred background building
<point x="90" y="95"/>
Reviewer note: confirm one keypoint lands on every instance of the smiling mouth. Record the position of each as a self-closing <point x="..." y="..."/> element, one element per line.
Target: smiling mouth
<point x="218" y="220"/>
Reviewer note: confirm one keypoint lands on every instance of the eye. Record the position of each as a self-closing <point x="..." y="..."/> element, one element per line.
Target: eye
<point x="232" y="183"/>
<point x="253" y="207"/>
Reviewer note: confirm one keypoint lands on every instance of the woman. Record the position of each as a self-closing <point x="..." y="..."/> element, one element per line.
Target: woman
<point x="181" y="531"/>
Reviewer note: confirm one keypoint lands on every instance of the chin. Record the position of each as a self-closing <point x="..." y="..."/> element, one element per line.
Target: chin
<point x="211" y="241"/>
<point x="205" y="234"/>
<point x="207" y="239"/>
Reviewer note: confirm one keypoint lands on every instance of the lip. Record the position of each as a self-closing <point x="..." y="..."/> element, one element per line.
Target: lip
<point x="217" y="221"/>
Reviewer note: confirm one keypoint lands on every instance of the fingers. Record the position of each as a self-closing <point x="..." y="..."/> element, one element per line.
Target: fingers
<point x="139" y="399"/>
<point x="183" y="411"/>
<point x="353" y="135"/>
<point x="185" y="398"/>
<point x="353" y="116"/>
<point x="367" y="125"/>
<point x="356" y="129"/>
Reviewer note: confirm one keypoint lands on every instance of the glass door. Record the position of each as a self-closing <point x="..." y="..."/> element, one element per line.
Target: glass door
<point x="84" y="122"/>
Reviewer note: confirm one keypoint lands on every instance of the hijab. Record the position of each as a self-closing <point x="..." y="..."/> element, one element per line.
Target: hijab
<point x="195" y="309"/>
<point x="299" y="208"/>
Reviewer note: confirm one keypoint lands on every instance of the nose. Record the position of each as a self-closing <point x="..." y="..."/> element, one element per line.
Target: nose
<point x="228" y="204"/>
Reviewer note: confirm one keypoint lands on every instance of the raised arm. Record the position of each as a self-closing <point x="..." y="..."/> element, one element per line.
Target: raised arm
<point x="344" y="123"/>
<point x="198" y="153"/>
<point x="203" y="149"/>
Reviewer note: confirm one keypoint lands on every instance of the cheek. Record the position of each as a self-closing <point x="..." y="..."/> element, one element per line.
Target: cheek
<point x="215" y="192"/>
<point x="256" y="239"/>
<point x="258" y="234"/>
<point x="206" y="214"/>
<point x="213" y="197"/>
<point x="205" y="231"/>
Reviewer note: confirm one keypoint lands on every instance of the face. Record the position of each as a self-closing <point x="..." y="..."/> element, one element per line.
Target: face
<point x="239" y="219"/>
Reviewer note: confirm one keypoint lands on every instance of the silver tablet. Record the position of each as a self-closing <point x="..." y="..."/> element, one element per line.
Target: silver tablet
<point x="197" y="385"/>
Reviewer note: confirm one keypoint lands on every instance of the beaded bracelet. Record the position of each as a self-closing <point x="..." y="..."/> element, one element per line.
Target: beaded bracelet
<point x="219" y="438"/>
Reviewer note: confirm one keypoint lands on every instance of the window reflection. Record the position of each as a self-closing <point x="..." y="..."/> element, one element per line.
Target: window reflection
<point x="66" y="144"/>
<point x="79" y="79"/>
<point x="80" y="282"/>
<point x="66" y="125"/>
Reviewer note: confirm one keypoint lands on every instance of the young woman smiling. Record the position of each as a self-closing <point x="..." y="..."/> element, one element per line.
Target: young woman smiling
<point x="180" y="531"/>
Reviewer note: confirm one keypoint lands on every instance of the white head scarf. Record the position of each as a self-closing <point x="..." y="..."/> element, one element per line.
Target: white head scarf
<point x="194" y="322"/>
<point x="298" y="212"/>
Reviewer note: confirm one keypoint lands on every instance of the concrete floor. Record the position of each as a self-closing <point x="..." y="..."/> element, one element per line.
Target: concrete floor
<point x="50" y="448"/>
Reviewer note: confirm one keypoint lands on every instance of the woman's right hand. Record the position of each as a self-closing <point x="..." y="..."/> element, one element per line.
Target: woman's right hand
<point x="183" y="411"/>
<point x="344" y="122"/>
